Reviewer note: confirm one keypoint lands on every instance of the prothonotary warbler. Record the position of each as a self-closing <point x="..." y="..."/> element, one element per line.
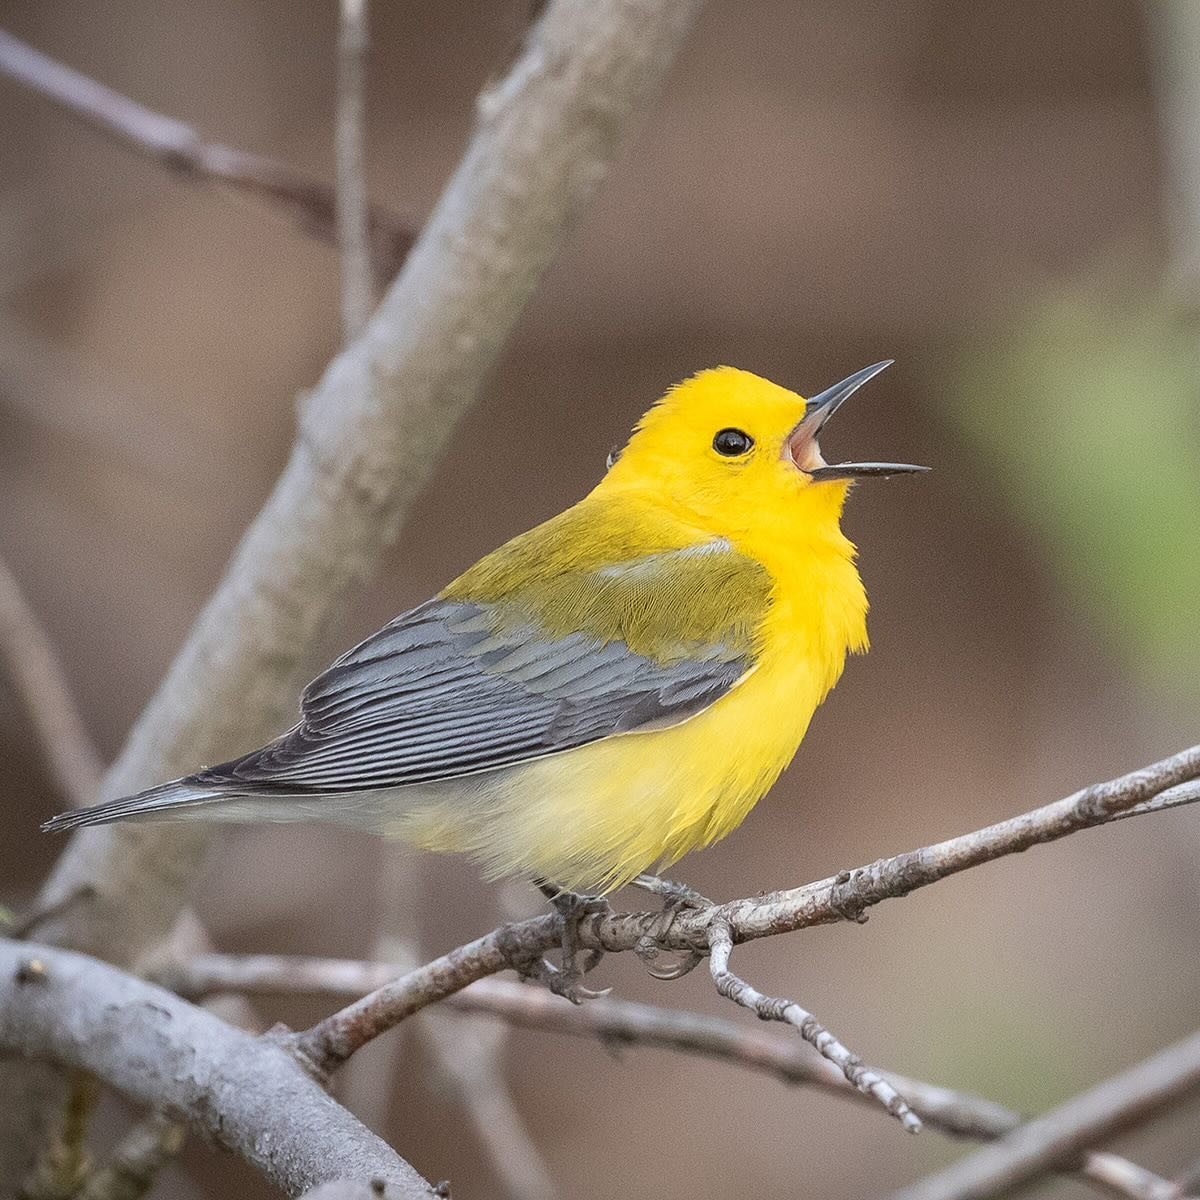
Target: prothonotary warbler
<point x="606" y="692"/>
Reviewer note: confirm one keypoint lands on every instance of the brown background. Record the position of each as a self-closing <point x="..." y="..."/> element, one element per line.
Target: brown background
<point x="824" y="184"/>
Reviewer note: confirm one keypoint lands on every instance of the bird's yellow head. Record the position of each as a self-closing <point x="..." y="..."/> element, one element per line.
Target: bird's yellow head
<point x="740" y="454"/>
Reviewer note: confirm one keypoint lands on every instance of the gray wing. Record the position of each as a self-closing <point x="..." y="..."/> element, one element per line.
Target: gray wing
<point x="438" y="693"/>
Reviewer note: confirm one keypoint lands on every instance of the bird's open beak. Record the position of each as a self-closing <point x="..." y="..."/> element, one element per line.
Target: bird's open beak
<point x="802" y="443"/>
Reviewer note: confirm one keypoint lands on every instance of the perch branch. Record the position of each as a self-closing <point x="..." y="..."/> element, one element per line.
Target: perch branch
<point x="247" y="1093"/>
<point x="843" y="897"/>
<point x="353" y="218"/>
<point x="309" y="203"/>
<point x="1059" y="1137"/>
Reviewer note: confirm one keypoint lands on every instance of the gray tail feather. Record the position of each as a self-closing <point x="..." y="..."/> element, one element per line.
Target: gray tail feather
<point x="161" y="803"/>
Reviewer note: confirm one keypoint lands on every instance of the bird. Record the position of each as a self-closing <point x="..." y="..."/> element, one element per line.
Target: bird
<point x="604" y="693"/>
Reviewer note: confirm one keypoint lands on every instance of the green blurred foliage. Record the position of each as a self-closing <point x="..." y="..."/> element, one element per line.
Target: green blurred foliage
<point x="1087" y="408"/>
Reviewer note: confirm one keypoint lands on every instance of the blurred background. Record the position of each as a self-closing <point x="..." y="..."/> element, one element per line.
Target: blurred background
<point x="1004" y="198"/>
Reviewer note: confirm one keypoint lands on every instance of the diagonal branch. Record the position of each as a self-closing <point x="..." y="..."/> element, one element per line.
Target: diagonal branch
<point x="1058" y="1138"/>
<point x="32" y="669"/>
<point x="308" y="202"/>
<point x="843" y="897"/>
<point x="371" y="432"/>
<point x="862" y="1078"/>
<point x="247" y="1093"/>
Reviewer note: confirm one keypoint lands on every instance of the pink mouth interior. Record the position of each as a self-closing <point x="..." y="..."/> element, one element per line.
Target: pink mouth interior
<point x="805" y="451"/>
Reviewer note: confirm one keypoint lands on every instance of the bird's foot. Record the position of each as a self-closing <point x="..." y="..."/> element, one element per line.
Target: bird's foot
<point x="564" y="980"/>
<point x="676" y="898"/>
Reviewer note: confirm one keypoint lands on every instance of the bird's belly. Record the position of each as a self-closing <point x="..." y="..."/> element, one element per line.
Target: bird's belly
<point x="592" y="818"/>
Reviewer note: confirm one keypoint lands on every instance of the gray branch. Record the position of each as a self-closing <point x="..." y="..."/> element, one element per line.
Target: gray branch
<point x="309" y="203"/>
<point x="370" y="433"/>
<point x="371" y="430"/>
<point x="616" y="1022"/>
<point x="1059" y="1137"/>
<point x="246" y="1093"/>
<point x="30" y="665"/>
<point x="844" y="897"/>
<point x="353" y="220"/>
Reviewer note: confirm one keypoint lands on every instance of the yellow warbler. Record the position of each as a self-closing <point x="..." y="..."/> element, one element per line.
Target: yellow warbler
<point x="606" y="692"/>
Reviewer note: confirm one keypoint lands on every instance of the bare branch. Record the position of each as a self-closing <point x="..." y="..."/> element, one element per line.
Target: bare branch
<point x="1059" y="1137"/>
<point x="469" y="1055"/>
<point x="1120" y="1177"/>
<point x="307" y="202"/>
<point x="247" y="1093"/>
<point x="626" y="1023"/>
<point x="371" y="431"/>
<point x="768" y="1008"/>
<point x="28" y="661"/>
<point x="350" y="145"/>
<point x="843" y="897"/>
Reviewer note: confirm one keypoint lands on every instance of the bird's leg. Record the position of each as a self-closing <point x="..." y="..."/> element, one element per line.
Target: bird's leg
<point x="572" y="907"/>
<point x="676" y="896"/>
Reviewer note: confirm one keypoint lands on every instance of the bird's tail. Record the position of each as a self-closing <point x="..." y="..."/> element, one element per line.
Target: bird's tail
<point x="167" y="802"/>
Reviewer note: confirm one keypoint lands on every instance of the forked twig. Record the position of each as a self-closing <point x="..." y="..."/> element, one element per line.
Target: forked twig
<point x="310" y="203"/>
<point x="770" y="1008"/>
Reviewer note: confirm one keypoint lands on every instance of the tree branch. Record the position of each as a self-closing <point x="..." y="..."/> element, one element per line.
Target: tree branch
<point x="28" y="660"/>
<point x="309" y="203"/>
<point x="1057" y="1138"/>
<point x="843" y="897"/>
<point x="626" y="1023"/>
<point x="350" y="147"/>
<point x="370" y="432"/>
<point x="247" y="1093"/>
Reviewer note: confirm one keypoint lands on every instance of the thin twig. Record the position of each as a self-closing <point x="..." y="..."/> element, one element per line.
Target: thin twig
<point x="469" y="1056"/>
<point x="1059" y="1137"/>
<point x="309" y="203"/>
<point x="770" y="1008"/>
<point x="840" y="898"/>
<point x="622" y="1023"/>
<point x="1120" y="1177"/>
<point x="350" y="146"/>
<point x="29" y="663"/>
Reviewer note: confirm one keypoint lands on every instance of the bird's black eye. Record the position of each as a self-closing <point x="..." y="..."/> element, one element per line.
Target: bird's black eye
<point x="732" y="442"/>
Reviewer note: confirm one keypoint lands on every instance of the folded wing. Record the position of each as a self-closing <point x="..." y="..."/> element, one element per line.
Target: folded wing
<point x="458" y="686"/>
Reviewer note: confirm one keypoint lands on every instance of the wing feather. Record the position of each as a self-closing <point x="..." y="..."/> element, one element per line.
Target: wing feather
<point x="456" y="686"/>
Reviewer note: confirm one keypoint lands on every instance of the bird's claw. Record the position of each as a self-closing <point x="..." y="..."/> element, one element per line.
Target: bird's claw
<point x="676" y="897"/>
<point x="648" y="951"/>
<point x="563" y="981"/>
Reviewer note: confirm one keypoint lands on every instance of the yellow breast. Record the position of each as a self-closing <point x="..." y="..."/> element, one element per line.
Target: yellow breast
<point x="592" y="818"/>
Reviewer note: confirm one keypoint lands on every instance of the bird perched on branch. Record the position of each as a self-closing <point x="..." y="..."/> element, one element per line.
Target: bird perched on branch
<point x="606" y="692"/>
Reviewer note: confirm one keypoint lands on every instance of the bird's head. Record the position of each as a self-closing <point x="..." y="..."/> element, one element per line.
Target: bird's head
<point x="741" y="454"/>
